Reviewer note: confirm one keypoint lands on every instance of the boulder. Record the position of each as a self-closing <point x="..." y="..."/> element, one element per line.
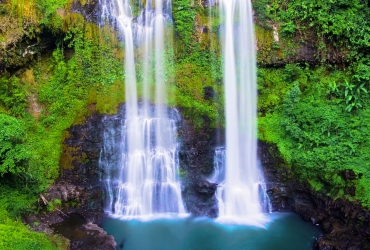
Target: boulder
<point x="92" y="237"/>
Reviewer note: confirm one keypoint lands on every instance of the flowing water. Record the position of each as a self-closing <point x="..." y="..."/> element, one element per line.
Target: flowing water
<point x="240" y="194"/>
<point x="218" y="176"/>
<point x="139" y="155"/>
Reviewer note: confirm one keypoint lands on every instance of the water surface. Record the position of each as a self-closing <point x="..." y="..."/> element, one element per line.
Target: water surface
<point x="285" y="231"/>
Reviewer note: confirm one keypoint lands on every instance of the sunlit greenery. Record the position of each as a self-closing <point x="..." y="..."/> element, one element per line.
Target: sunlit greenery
<point x="316" y="133"/>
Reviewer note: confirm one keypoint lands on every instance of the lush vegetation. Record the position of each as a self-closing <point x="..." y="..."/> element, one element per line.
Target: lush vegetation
<point x="198" y="64"/>
<point x="13" y="234"/>
<point x="319" y="129"/>
<point x="331" y="24"/>
<point x="317" y="115"/>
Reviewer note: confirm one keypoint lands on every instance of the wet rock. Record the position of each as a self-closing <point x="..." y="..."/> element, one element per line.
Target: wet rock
<point x="206" y="187"/>
<point x="122" y="244"/>
<point x="92" y="237"/>
<point x="90" y="10"/>
<point x="198" y="195"/>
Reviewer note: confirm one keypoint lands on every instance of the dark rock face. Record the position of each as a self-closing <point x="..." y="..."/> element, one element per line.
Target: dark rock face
<point x="80" y="173"/>
<point x="18" y="55"/>
<point x="345" y="224"/>
<point x="196" y="159"/>
<point x="198" y="195"/>
<point x="90" y="11"/>
<point x="78" y="188"/>
<point x="208" y="93"/>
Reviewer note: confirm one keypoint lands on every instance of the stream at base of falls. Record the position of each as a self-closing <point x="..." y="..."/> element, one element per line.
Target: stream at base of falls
<point x="285" y="231"/>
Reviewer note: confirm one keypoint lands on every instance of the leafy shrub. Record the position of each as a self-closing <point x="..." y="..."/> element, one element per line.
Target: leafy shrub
<point x="13" y="154"/>
<point x="13" y="95"/>
<point x="184" y="14"/>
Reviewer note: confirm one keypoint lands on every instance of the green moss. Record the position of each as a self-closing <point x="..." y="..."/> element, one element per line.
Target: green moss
<point x="266" y="53"/>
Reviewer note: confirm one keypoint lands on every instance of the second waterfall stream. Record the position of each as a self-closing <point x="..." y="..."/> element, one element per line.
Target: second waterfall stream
<point x="241" y="196"/>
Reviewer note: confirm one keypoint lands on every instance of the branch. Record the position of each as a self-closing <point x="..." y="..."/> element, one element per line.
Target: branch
<point x="45" y="201"/>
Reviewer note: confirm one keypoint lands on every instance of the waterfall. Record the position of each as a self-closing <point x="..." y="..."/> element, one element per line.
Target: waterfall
<point x="239" y="195"/>
<point x="139" y="155"/>
<point x="218" y="175"/>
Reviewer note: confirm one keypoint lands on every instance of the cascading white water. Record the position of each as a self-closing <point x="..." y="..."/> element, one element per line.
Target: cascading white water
<point x="142" y="182"/>
<point x="140" y="161"/>
<point x="218" y="175"/>
<point x="239" y="196"/>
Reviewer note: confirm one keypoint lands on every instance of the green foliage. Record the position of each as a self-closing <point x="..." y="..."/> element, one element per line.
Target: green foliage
<point x="193" y="74"/>
<point x="13" y="233"/>
<point x="16" y="236"/>
<point x="15" y="201"/>
<point x="334" y="23"/>
<point x="13" y="95"/>
<point x="48" y="11"/>
<point x="261" y="11"/>
<point x="288" y="29"/>
<point x="13" y="154"/>
<point x="67" y="90"/>
<point x="67" y="86"/>
<point x="184" y="14"/>
<point x="314" y="132"/>
<point x="54" y="204"/>
<point x="352" y="95"/>
<point x="197" y="66"/>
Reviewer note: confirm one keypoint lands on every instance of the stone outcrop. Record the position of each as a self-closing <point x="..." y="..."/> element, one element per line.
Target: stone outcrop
<point x="79" y="181"/>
